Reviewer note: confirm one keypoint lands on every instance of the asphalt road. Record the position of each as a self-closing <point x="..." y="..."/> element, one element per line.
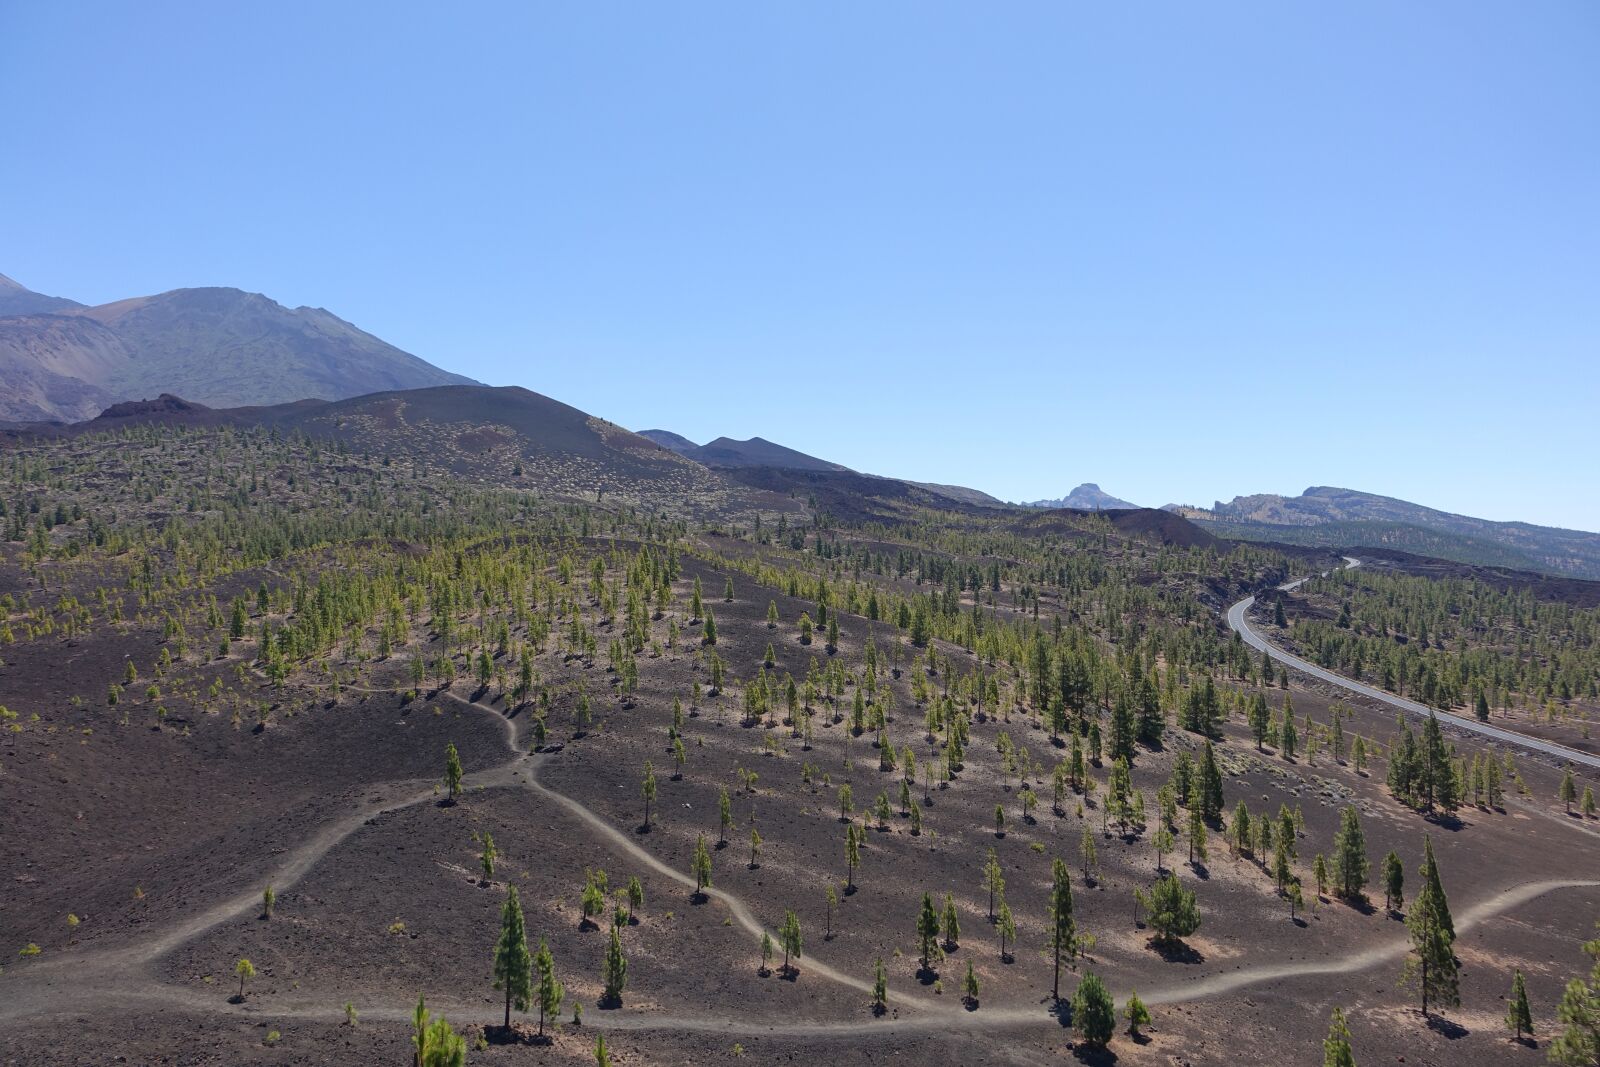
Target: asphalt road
<point x="1237" y="620"/>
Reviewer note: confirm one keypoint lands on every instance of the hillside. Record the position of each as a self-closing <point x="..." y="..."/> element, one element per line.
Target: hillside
<point x="962" y="494"/>
<point x="667" y="439"/>
<point x="492" y="437"/>
<point x="54" y="367"/>
<point x="360" y="712"/>
<point x="219" y="347"/>
<point x="1327" y="516"/>
<point x="728" y="452"/>
<point x="18" y="299"/>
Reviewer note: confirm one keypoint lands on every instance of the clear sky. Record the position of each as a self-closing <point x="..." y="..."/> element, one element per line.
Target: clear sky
<point x="1184" y="250"/>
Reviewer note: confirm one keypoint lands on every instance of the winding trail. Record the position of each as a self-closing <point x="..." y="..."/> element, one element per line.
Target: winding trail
<point x="1238" y="620"/>
<point x="68" y="985"/>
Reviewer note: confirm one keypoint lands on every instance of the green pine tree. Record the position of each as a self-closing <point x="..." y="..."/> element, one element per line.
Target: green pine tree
<point x="928" y="933"/>
<point x="551" y="992"/>
<point x="1094" y="1013"/>
<point x="452" y="771"/>
<point x="513" y="966"/>
<point x="1336" y="1051"/>
<point x="614" y="974"/>
<point x="1432" y="964"/>
<point x="790" y="938"/>
<point x="1394" y="882"/>
<point x="1350" y="864"/>
<point x="1138" y="1015"/>
<point x="1519" y="1019"/>
<point x="1578" y="1044"/>
<point x="1063" y="923"/>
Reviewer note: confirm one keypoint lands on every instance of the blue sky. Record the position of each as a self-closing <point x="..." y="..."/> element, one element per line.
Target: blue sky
<point x="1183" y="250"/>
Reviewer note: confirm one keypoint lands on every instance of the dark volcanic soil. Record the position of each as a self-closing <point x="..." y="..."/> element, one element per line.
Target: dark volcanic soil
<point x="379" y="896"/>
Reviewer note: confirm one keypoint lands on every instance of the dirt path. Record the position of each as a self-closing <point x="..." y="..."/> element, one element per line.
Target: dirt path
<point x="941" y="1019"/>
<point x="66" y="985"/>
<point x="118" y="972"/>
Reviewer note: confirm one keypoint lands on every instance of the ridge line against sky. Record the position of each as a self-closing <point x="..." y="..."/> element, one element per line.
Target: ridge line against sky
<point x="1185" y="254"/>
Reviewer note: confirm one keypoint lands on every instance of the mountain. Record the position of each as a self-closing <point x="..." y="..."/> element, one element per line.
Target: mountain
<point x="667" y="439"/>
<point x="16" y="299"/>
<point x="217" y="347"/>
<point x="1328" y="516"/>
<point x="962" y="494"/>
<point x="1087" y="497"/>
<point x="726" y="452"/>
<point x="759" y="452"/>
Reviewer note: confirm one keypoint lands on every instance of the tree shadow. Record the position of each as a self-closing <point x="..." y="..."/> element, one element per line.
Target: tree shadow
<point x="515" y="1034"/>
<point x="927" y="975"/>
<point x="1359" y="903"/>
<point x="608" y="1003"/>
<point x="1446" y="1028"/>
<point x="1177" y="951"/>
<point x="1094" y="1055"/>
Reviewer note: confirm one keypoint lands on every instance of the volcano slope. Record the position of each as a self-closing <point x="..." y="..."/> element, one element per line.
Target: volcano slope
<point x="235" y="661"/>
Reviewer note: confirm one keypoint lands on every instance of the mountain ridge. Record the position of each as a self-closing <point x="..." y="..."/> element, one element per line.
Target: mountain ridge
<point x="1335" y="517"/>
<point x="216" y="345"/>
<point x="751" y="452"/>
<point x="18" y="299"/>
<point x="726" y="453"/>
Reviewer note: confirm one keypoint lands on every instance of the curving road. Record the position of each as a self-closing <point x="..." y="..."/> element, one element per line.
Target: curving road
<point x="1241" y="625"/>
